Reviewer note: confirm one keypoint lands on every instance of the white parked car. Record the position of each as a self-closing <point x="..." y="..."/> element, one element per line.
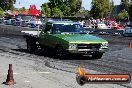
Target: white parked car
<point x="35" y="22"/>
<point x="9" y="21"/>
<point x="102" y="26"/>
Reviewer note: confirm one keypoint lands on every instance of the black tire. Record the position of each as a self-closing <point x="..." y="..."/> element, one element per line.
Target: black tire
<point x="31" y="45"/>
<point x="59" y="51"/>
<point x="97" y="55"/>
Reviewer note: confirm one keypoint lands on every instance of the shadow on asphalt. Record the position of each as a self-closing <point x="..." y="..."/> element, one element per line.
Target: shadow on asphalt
<point x="50" y="54"/>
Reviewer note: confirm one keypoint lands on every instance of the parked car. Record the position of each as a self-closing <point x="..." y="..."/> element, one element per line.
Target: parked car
<point x="1" y="20"/>
<point x="127" y="32"/>
<point x="118" y="26"/>
<point x="9" y="21"/>
<point x="24" y="23"/>
<point x="34" y="23"/>
<point x="102" y="26"/>
<point x="17" y="22"/>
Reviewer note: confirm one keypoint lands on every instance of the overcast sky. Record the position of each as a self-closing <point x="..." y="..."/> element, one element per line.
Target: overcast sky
<point x="38" y="3"/>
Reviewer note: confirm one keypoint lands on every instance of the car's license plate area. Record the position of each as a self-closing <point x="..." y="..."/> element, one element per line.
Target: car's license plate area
<point x="88" y="47"/>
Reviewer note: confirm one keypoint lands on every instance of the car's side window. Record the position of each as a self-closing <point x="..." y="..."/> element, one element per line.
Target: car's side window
<point x="48" y="28"/>
<point x="57" y="28"/>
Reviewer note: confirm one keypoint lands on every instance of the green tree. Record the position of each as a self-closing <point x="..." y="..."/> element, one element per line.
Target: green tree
<point x="84" y="13"/>
<point x="105" y="8"/>
<point x="68" y="7"/>
<point x="1" y="12"/>
<point x="95" y="10"/>
<point x="7" y="4"/>
<point x="125" y="4"/>
<point x="130" y="11"/>
<point x="100" y="8"/>
<point x="57" y="12"/>
<point x="22" y="9"/>
<point x="51" y="5"/>
<point x="45" y="10"/>
<point x="13" y="9"/>
<point x="111" y="7"/>
<point x="66" y="10"/>
<point x="123" y="15"/>
<point x="75" y="6"/>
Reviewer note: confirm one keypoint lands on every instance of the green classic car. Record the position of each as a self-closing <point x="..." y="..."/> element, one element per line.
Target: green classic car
<point x="70" y="37"/>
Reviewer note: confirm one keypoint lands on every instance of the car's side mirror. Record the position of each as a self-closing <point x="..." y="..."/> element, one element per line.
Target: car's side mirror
<point x="48" y="32"/>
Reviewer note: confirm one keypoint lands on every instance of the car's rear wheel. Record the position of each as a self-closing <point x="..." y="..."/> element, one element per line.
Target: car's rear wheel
<point x="31" y="45"/>
<point x="97" y="55"/>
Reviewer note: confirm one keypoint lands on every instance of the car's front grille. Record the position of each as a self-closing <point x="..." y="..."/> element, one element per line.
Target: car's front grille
<point x="88" y="46"/>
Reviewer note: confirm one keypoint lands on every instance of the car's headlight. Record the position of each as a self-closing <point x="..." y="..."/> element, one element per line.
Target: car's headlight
<point x="104" y="45"/>
<point x="72" y="46"/>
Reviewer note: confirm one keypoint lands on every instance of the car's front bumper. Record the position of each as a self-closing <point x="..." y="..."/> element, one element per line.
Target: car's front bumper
<point x="87" y="51"/>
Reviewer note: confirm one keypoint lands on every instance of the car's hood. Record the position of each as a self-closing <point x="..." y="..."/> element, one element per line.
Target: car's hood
<point x="80" y="38"/>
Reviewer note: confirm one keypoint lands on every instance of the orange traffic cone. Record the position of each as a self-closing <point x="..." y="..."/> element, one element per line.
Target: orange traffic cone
<point x="130" y="45"/>
<point x="10" y="80"/>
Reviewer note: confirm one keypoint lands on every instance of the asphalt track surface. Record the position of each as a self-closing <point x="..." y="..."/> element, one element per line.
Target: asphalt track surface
<point x="117" y="60"/>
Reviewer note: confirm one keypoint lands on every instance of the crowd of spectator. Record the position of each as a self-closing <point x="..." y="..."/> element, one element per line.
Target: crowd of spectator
<point x="109" y="22"/>
<point x="93" y="22"/>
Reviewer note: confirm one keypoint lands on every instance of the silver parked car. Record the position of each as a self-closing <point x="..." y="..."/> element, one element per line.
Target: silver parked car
<point x="127" y="32"/>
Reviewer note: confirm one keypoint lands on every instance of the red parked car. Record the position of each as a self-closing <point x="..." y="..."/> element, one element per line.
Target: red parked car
<point x="117" y="26"/>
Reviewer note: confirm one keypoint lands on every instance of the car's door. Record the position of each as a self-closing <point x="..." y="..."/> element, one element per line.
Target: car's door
<point x="46" y="38"/>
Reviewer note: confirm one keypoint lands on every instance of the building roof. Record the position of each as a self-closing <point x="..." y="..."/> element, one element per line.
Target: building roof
<point x="26" y="12"/>
<point x="31" y="11"/>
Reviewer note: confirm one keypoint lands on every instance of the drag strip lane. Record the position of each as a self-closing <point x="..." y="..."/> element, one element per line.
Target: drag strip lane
<point x="114" y="61"/>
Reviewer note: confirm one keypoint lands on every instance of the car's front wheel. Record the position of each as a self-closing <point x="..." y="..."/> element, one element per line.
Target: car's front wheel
<point x="97" y="55"/>
<point x="59" y="51"/>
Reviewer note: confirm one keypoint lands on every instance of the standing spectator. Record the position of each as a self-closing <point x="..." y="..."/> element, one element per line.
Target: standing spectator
<point x="81" y="23"/>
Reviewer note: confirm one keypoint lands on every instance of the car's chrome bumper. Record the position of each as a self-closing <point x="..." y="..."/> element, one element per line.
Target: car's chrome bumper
<point x="87" y="50"/>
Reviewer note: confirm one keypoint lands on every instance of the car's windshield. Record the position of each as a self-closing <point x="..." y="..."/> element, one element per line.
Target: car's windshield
<point x="70" y="28"/>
